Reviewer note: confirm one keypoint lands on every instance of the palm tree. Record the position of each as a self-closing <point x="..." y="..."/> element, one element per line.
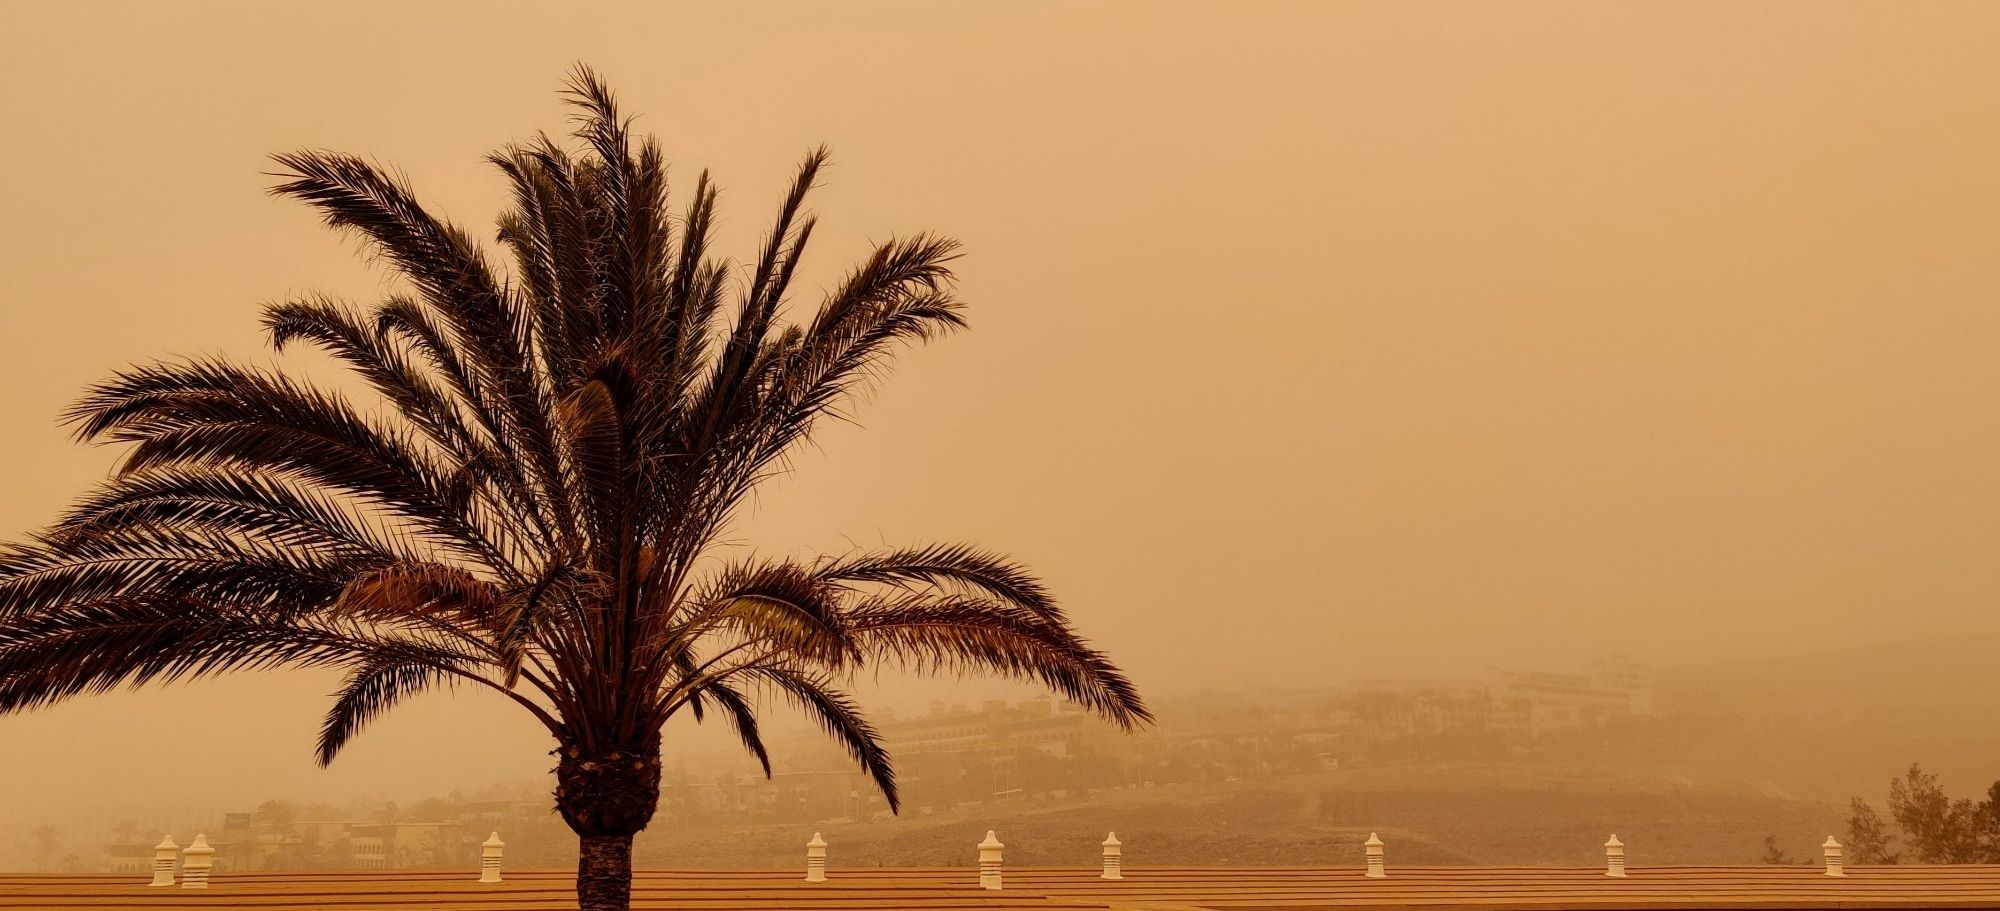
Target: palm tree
<point x="539" y="512"/>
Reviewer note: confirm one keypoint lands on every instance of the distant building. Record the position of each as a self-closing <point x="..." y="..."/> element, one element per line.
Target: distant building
<point x="128" y="857"/>
<point x="997" y="727"/>
<point x="404" y="845"/>
<point x="1564" y="702"/>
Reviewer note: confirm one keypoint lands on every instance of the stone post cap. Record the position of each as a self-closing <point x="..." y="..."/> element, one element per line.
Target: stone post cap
<point x="1374" y="841"/>
<point x="493" y="841"/>
<point x="167" y="842"/>
<point x="1614" y="843"/>
<point x="1830" y="843"/>
<point x="991" y="841"/>
<point x="1111" y="840"/>
<point x="817" y="842"/>
<point x="199" y="846"/>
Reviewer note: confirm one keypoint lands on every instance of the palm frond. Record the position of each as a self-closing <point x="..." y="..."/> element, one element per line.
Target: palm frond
<point x="778" y="604"/>
<point x="207" y="414"/>
<point x="95" y="646"/>
<point x="929" y="635"/>
<point x="952" y="565"/>
<point x="345" y="334"/>
<point x="236" y="504"/>
<point x="49" y="573"/>
<point x="742" y="719"/>
<point x="838" y="715"/>
<point x="452" y="274"/>
<point x="405" y="591"/>
<point x="372" y="688"/>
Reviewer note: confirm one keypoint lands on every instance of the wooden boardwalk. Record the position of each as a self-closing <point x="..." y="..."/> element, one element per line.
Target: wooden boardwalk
<point x="1048" y="889"/>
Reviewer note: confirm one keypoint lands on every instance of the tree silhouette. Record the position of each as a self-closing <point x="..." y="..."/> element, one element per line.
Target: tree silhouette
<point x="1938" y="828"/>
<point x="540" y="508"/>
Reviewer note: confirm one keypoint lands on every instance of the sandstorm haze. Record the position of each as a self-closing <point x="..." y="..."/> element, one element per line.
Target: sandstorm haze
<point x="1311" y="341"/>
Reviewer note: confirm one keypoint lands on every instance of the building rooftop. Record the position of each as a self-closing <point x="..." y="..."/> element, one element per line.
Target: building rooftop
<point x="1050" y="889"/>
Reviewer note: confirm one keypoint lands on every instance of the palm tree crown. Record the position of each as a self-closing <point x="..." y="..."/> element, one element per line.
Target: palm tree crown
<point x="566" y="443"/>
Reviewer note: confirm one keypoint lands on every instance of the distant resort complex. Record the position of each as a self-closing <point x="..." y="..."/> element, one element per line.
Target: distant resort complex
<point x="954" y="758"/>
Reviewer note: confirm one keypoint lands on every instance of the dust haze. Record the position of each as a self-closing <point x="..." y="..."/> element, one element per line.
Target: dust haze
<point x="1319" y="350"/>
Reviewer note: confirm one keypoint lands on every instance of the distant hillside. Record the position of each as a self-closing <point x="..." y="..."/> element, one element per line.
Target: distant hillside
<point x="1941" y="688"/>
<point x="1431" y="813"/>
<point x="1841" y="723"/>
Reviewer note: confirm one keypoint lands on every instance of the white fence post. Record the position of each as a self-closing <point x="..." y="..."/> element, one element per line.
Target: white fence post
<point x="489" y="858"/>
<point x="1373" y="848"/>
<point x="1832" y="852"/>
<point x="989" y="861"/>
<point x="1113" y="857"/>
<point x="196" y="859"/>
<point x="165" y="855"/>
<point x="816" y="859"/>
<point x="1614" y="857"/>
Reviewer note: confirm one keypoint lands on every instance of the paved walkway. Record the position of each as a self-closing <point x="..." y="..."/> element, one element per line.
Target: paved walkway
<point x="1046" y="889"/>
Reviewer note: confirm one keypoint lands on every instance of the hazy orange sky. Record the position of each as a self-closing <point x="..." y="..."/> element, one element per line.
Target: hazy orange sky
<point x="1310" y="339"/>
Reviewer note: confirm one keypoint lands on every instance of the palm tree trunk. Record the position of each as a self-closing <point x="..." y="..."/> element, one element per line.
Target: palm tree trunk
<point x="606" y="797"/>
<point x="604" y="873"/>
